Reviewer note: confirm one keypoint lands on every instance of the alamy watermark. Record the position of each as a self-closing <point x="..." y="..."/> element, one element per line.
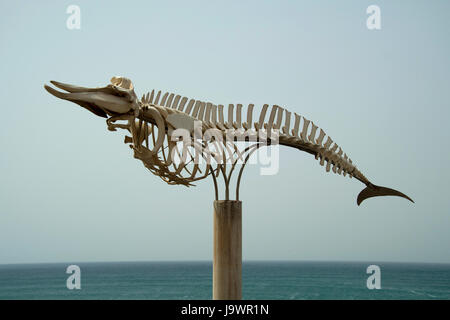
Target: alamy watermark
<point x="230" y="146"/>
<point x="74" y="280"/>
<point x="373" y="21"/>
<point x="73" y="22"/>
<point x="374" y="280"/>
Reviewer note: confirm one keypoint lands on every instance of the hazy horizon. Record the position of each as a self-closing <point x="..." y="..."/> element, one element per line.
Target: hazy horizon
<point x="243" y="261"/>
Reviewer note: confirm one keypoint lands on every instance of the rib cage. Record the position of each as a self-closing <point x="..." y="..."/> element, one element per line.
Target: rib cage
<point x="304" y="134"/>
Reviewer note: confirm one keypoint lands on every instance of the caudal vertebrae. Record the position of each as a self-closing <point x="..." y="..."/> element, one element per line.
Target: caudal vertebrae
<point x="156" y="119"/>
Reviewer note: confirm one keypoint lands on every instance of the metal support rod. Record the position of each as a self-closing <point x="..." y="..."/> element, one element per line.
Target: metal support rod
<point x="227" y="256"/>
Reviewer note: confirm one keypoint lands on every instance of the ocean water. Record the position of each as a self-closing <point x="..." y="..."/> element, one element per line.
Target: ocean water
<point x="193" y="280"/>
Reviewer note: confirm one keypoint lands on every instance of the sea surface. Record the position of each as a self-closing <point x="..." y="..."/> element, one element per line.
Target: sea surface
<point x="193" y="280"/>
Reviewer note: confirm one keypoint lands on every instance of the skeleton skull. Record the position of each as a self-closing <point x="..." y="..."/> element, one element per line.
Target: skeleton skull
<point x="114" y="99"/>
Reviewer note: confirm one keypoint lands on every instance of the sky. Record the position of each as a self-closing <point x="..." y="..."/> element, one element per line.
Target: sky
<point x="70" y="190"/>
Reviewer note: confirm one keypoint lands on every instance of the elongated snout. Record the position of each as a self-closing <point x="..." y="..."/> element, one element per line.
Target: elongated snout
<point x="116" y="98"/>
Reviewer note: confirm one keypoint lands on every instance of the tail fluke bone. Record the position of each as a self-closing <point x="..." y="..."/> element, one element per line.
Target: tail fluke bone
<point x="376" y="191"/>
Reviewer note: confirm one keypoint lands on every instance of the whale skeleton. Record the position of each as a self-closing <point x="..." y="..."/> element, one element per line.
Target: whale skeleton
<point x="155" y="120"/>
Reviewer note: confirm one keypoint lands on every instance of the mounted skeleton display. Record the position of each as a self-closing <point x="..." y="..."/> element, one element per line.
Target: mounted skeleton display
<point x="158" y="122"/>
<point x="185" y="140"/>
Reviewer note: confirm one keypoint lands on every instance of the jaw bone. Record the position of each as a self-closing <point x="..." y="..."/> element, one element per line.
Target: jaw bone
<point x="114" y="99"/>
